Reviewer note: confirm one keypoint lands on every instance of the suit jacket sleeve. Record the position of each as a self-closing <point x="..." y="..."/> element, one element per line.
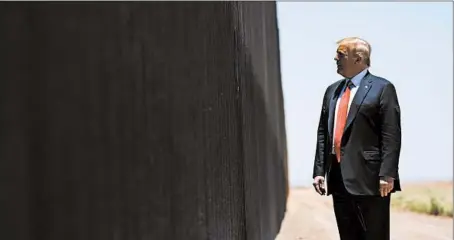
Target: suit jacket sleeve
<point x="319" y="161"/>
<point x="390" y="132"/>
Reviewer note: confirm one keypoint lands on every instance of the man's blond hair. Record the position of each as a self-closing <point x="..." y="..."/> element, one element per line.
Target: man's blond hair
<point x="358" y="46"/>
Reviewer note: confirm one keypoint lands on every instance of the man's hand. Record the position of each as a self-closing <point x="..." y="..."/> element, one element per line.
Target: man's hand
<point x="386" y="185"/>
<point x="319" y="185"/>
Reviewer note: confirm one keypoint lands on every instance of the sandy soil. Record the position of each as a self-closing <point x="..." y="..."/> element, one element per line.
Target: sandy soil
<point x="310" y="217"/>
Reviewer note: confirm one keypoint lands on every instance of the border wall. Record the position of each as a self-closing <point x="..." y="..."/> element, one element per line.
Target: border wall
<point x="141" y="120"/>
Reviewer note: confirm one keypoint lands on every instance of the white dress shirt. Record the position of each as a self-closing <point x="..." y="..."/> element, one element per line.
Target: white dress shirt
<point x="356" y="81"/>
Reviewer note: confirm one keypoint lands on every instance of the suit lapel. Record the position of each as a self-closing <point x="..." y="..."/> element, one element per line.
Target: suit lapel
<point x="361" y="93"/>
<point x="332" y="107"/>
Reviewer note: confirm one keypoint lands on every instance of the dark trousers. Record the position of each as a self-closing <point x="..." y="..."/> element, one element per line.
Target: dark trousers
<point x="358" y="217"/>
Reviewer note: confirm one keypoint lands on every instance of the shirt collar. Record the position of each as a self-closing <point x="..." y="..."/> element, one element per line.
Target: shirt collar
<point x="356" y="80"/>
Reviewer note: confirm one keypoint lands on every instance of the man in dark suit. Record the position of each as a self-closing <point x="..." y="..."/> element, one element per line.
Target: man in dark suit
<point x="358" y="145"/>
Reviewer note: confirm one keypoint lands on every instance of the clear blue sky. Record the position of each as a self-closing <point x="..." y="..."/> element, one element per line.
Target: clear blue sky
<point x="412" y="46"/>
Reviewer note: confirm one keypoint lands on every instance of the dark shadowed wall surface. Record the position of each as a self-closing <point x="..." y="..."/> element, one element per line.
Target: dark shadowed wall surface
<point x="141" y="120"/>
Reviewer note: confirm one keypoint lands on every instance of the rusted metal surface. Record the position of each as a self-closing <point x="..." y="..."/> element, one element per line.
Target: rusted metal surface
<point x="141" y="120"/>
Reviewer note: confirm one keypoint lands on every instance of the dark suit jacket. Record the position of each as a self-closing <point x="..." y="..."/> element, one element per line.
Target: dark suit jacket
<point x="370" y="145"/>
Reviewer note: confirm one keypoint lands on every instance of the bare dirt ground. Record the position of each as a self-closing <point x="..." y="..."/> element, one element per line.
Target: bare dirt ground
<point x="310" y="217"/>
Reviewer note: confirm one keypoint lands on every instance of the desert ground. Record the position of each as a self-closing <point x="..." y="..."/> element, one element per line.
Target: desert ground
<point x="310" y="217"/>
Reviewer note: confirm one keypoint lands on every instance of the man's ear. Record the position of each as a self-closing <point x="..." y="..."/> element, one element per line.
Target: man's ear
<point x="358" y="60"/>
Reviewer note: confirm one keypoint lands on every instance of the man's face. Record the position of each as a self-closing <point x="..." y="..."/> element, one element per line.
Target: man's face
<point x="345" y="61"/>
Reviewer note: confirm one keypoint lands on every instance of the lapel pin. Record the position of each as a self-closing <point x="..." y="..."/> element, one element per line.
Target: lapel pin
<point x="366" y="86"/>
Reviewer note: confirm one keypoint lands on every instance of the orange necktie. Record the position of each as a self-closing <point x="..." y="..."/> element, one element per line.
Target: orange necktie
<point x="341" y="119"/>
